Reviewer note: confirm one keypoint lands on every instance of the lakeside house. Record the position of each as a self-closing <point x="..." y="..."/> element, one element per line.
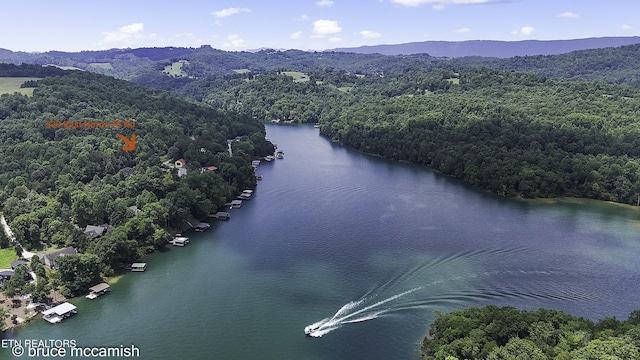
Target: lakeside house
<point x="138" y="267"/>
<point x="95" y="231"/>
<point x="5" y="274"/>
<point x="134" y="209"/>
<point x="16" y="263"/>
<point x="59" y="313"/>
<point x="98" y="290"/>
<point x="49" y="259"/>
<point x="180" y="163"/>
<point x="208" y="168"/>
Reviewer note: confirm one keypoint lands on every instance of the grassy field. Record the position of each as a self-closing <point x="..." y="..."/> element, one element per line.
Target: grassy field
<point x="9" y="85"/>
<point x="6" y="257"/>
<point x="175" y="69"/>
<point x="106" y="66"/>
<point x="297" y="76"/>
<point x="454" y="81"/>
<point x="64" y="67"/>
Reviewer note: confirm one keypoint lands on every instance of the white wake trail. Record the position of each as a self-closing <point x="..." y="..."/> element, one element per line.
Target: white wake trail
<point x="343" y="315"/>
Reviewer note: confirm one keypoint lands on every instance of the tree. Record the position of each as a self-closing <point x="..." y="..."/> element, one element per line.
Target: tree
<point x="517" y="349"/>
<point x="4" y="314"/>
<point x="78" y="272"/>
<point x="114" y="249"/>
<point x="4" y="240"/>
<point x="616" y="348"/>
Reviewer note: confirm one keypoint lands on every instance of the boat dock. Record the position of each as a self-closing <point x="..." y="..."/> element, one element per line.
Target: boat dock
<point x="98" y="290"/>
<point x="59" y="313"/>
<point x="179" y="240"/>
<point x="138" y="267"/>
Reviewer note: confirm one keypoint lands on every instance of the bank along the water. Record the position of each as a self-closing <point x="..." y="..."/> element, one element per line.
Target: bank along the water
<point x="368" y="247"/>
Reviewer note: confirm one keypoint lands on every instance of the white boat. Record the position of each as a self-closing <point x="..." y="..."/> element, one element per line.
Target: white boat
<point x="269" y="158"/>
<point x="310" y="329"/>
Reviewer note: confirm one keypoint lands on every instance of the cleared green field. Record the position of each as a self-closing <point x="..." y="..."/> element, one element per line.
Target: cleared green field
<point x="9" y="85"/>
<point x="241" y="71"/>
<point x="175" y="69"/>
<point x="454" y="81"/>
<point x="297" y="76"/>
<point x="6" y="257"/>
<point x="106" y="66"/>
<point x="64" y="67"/>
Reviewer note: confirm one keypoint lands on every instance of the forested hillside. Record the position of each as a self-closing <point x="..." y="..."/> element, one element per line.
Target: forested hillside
<point x="512" y="134"/>
<point x="494" y="333"/>
<point x="56" y="178"/>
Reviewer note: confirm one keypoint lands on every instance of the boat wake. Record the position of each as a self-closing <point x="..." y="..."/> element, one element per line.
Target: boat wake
<point x="353" y="312"/>
<point x="451" y="288"/>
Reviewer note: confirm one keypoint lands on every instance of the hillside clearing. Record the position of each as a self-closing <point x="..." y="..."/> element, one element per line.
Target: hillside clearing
<point x="10" y="85"/>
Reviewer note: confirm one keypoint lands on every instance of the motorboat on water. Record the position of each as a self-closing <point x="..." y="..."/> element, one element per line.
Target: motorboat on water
<point x="310" y="329"/>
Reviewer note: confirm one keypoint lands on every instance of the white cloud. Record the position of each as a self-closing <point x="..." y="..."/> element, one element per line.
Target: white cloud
<point x="296" y="35"/>
<point x="234" y="41"/>
<point x="462" y="30"/>
<point x="569" y="15"/>
<point x="525" y="30"/>
<point x="324" y="3"/>
<point x="440" y="4"/>
<point x="369" y="34"/>
<point x="322" y="28"/>
<point x="303" y="17"/>
<point x="228" y="12"/>
<point x="626" y="27"/>
<point x="335" y="39"/>
<point x="126" y="36"/>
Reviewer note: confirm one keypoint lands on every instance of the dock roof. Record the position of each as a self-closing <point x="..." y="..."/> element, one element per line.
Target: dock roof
<point x="60" y="309"/>
<point x="100" y="287"/>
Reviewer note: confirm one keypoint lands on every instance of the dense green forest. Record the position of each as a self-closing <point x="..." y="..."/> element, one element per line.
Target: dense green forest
<point x="512" y="134"/>
<point x="509" y="133"/>
<point x="494" y="333"/>
<point x="56" y="180"/>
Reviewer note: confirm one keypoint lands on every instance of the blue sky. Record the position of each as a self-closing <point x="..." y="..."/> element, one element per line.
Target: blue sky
<point x="30" y="25"/>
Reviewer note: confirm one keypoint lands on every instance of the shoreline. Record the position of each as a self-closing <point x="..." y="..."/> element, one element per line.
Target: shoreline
<point x="565" y="199"/>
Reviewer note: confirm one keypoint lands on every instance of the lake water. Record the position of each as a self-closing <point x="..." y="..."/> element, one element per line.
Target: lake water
<point x="379" y="244"/>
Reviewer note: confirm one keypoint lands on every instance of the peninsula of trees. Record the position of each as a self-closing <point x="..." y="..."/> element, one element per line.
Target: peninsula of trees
<point x="494" y="333"/>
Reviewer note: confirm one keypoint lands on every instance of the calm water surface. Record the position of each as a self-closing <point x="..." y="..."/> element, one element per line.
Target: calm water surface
<point x="373" y="247"/>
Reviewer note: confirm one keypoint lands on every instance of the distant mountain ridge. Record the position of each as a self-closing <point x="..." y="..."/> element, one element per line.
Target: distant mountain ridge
<point x="493" y="48"/>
